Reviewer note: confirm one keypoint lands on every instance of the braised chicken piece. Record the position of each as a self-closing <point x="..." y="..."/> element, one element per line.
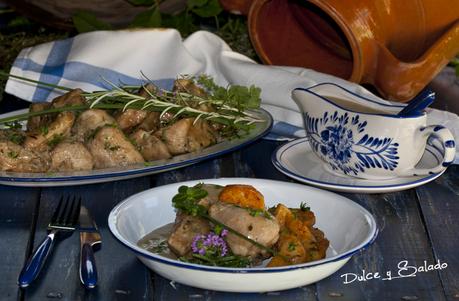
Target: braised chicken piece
<point x="150" y="146"/>
<point x="71" y="156"/>
<point x="185" y="229"/>
<point x="130" y="118"/>
<point x="147" y="89"/>
<point x="72" y="98"/>
<point x="186" y="136"/>
<point x="187" y="86"/>
<point x="35" y="123"/>
<point x="14" y="157"/>
<point x="89" y="121"/>
<point x="263" y="229"/>
<point x="151" y="122"/>
<point x="110" y="148"/>
<point x="51" y="134"/>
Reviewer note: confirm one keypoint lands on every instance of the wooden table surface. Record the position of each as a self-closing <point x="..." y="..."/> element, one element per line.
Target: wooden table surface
<point x="418" y="226"/>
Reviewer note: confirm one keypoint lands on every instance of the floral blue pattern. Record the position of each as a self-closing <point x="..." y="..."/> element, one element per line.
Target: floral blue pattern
<point x="335" y="138"/>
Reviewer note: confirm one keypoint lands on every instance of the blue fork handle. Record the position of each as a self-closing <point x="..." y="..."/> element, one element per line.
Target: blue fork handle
<point x="36" y="262"/>
<point x="88" y="271"/>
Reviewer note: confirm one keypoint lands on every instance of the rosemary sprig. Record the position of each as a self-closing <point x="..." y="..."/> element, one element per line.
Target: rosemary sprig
<point x="229" y="109"/>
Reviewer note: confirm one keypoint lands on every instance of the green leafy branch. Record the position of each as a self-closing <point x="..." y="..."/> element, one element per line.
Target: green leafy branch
<point x="184" y="20"/>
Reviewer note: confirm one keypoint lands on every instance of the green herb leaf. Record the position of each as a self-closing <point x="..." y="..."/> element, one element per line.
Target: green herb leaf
<point x="240" y="97"/>
<point x="291" y="246"/>
<point x="187" y="200"/>
<point x="44" y="130"/>
<point x="148" y="18"/>
<point x="86" y="21"/>
<point x="15" y="125"/>
<point x="304" y="206"/>
<point x="15" y="137"/>
<point x="183" y="22"/>
<point x="211" y="8"/>
<point x="13" y="154"/>
<point x="196" y="3"/>
<point x="55" y="140"/>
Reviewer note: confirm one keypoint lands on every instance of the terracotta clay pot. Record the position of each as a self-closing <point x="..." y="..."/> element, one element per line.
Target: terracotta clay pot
<point x="397" y="46"/>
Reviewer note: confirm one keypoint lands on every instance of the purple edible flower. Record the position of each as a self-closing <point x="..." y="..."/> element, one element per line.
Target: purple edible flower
<point x="210" y="244"/>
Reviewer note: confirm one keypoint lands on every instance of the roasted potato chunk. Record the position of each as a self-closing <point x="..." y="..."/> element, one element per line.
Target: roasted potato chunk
<point x="245" y="196"/>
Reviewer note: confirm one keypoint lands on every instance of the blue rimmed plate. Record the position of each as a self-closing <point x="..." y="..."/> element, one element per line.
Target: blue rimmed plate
<point x="350" y="231"/>
<point x="136" y="170"/>
<point x="297" y="160"/>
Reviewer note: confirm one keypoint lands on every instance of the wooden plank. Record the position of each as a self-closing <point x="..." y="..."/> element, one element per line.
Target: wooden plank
<point x="402" y="237"/>
<point x="255" y="161"/>
<point x="17" y="210"/>
<point x="439" y="202"/>
<point x="121" y="275"/>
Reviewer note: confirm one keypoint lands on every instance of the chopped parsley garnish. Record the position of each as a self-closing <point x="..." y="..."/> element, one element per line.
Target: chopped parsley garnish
<point x="55" y="140"/>
<point x="291" y="246"/>
<point x="304" y="206"/>
<point x="15" y="137"/>
<point x="44" y="130"/>
<point x="259" y="212"/>
<point x="110" y="147"/>
<point x="14" y="125"/>
<point x="13" y="154"/>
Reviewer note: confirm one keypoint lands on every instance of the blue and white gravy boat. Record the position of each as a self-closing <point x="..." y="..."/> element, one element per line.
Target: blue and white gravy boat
<point x="359" y="137"/>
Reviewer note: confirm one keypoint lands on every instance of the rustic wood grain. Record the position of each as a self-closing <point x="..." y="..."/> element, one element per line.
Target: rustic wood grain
<point x="17" y="212"/>
<point x="402" y="237"/>
<point x="121" y="275"/>
<point x="439" y="202"/>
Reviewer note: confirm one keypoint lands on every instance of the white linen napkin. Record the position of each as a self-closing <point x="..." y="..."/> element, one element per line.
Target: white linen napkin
<point x="161" y="54"/>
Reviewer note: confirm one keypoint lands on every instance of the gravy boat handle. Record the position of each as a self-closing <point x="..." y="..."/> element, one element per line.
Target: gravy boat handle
<point x="447" y="140"/>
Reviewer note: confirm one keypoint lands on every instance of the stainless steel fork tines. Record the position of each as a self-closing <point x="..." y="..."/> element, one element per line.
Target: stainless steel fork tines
<point x="62" y="224"/>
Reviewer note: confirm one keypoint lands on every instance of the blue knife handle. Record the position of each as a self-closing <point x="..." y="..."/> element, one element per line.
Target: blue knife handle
<point x="36" y="262"/>
<point x="88" y="271"/>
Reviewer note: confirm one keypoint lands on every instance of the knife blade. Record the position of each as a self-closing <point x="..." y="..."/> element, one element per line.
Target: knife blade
<point x="89" y="237"/>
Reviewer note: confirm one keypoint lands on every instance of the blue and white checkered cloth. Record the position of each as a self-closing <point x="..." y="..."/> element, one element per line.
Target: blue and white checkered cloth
<point x="86" y="60"/>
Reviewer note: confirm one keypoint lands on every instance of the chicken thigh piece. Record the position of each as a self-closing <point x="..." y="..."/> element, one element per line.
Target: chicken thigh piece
<point x="130" y="118"/>
<point x="35" y="123"/>
<point x="110" y="148"/>
<point x="50" y="135"/>
<point x="71" y="156"/>
<point x="89" y="121"/>
<point x="186" y="136"/>
<point x="72" y="98"/>
<point x="185" y="229"/>
<point x="261" y="228"/>
<point x="16" y="158"/>
<point x="150" y="146"/>
<point x="151" y="122"/>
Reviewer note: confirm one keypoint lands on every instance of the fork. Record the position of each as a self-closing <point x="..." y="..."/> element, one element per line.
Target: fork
<point x="62" y="224"/>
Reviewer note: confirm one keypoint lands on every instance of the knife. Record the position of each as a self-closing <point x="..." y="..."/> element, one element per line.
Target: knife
<point x="89" y="237"/>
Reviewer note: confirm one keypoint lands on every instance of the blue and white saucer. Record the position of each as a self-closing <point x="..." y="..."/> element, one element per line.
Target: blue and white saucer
<point x="297" y="160"/>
